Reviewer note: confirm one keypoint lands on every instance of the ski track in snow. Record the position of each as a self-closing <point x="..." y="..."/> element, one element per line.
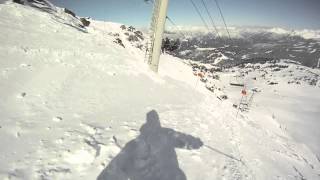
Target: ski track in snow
<point x="71" y="100"/>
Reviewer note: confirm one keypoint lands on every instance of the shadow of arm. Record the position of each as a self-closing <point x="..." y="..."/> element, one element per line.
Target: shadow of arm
<point x="185" y="141"/>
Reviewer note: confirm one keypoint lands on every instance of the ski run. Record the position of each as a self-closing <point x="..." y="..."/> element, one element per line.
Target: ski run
<point x="72" y="97"/>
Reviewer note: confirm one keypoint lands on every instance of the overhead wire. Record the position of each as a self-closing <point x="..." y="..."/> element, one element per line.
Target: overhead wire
<point x="201" y="17"/>
<point x="175" y="26"/>
<point x="211" y="18"/>
<point x="222" y="17"/>
<point x="199" y="13"/>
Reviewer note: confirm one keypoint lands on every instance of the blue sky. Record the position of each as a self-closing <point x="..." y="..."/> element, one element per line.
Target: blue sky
<point x="295" y="14"/>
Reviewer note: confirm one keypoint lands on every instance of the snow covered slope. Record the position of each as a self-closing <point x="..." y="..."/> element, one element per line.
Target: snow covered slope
<point x="71" y="99"/>
<point x="284" y="88"/>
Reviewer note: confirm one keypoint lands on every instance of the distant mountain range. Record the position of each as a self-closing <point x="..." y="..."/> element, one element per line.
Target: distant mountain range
<point x="247" y="44"/>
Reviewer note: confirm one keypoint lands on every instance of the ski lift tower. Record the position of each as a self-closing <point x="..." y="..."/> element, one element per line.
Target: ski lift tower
<point x="156" y="33"/>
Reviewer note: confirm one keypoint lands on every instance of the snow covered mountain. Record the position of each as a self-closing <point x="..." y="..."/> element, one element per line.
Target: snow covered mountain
<point x="241" y="31"/>
<point x="249" y="43"/>
<point x="73" y="96"/>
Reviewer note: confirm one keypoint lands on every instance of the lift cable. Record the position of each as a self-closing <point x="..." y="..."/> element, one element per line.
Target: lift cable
<point x="224" y="21"/>
<point x="201" y="17"/>
<point x="211" y="18"/>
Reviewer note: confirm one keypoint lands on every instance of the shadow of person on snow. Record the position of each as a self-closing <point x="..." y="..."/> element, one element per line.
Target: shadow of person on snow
<point x="151" y="156"/>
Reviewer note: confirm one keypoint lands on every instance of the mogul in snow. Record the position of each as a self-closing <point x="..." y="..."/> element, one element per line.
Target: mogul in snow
<point x="151" y="156"/>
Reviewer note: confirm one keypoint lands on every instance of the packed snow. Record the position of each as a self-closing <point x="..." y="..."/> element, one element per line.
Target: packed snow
<point x="72" y="98"/>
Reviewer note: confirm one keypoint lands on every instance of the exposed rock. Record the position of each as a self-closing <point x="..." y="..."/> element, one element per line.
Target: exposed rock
<point x="139" y="34"/>
<point x="114" y="34"/>
<point x="57" y="119"/>
<point x="22" y="95"/>
<point x="139" y="46"/>
<point x="119" y="41"/>
<point x="133" y="38"/>
<point x="131" y="29"/>
<point x="273" y="83"/>
<point x="85" y="22"/>
<point x="123" y="27"/>
<point x="210" y="88"/>
<point x="68" y="11"/>
<point x="18" y="1"/>
<point x="223" y="97"/>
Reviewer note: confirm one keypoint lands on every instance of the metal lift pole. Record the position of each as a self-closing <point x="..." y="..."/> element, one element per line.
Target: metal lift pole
<point x="157" y="28"/>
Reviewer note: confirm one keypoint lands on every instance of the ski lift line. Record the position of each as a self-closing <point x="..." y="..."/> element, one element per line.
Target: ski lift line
<point x="199" y="13"/>
<point x="222" y="17"/>
<point x="171" y="21"/>
<point x="211" y="18"/>
<point x="224" y="154"/>
<point x="175" y="26"/>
